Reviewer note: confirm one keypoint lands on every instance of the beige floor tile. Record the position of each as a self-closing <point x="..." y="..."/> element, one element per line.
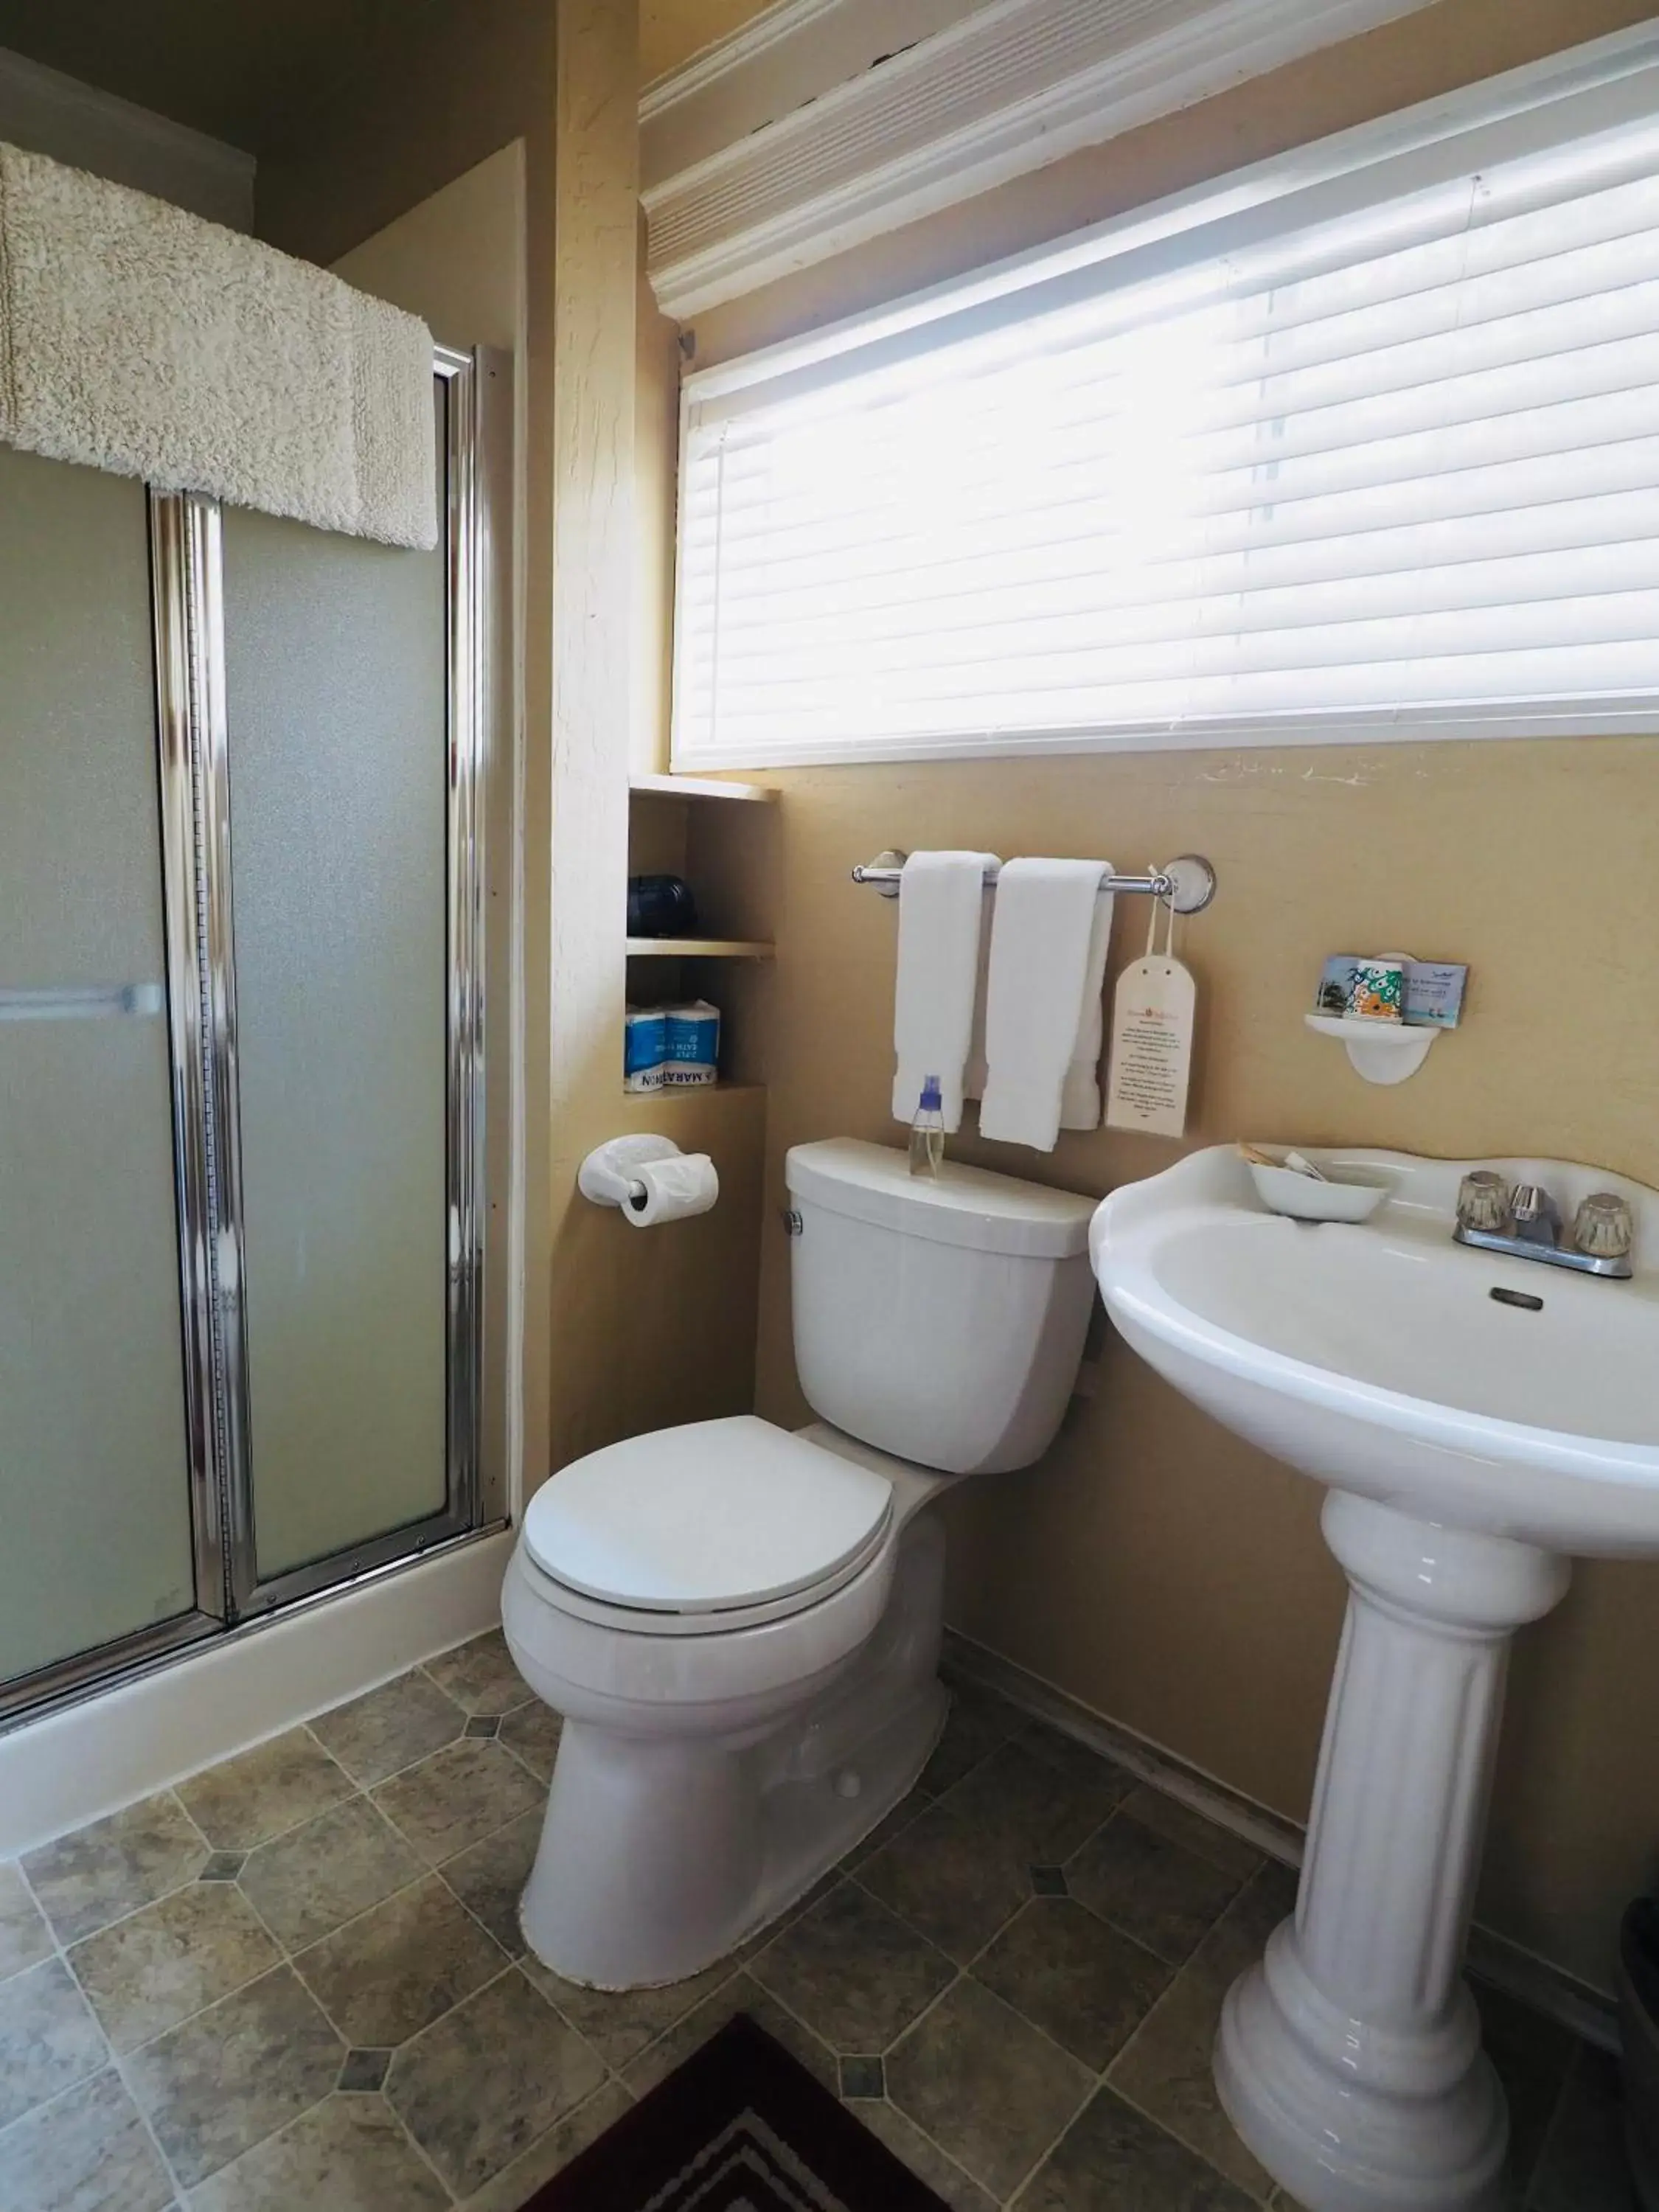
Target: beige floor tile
<point x="890" y="1825"/>
<point x="386" y="1729"/>
<point x="853" y="1972"/>
<point x="621" y="2023"/>
<point x="25" y="1939"/>
<point x="100" y="1873"/>
<point x="481" y="1676"/>
<point x="991" y="2091"/>
<point x="457" y="1797"/>
<point x="489" y="2080"/>
<point x="1167" y="1816"/>
<point x="514" y="2184"/>
<point x="977" y="1722"/>
<point x="489" y="1877"/>
<point x="1038" y="1810"/>
<point x="1532" y="2055"/>
<point x="531" y="1733"/>
<point x="738" y="1994"/>
<point x="87" y="2152"/>
<point x="946" y="1875"/>
<point x="383" y="1976"/>
<point x="923" y="2156"/>
<point x="1582" y="2165"/>
<point x="306" y="1883"/>
<point x="236" y="2074"/>
<point x="1165" y="2069"/>
<point x="277" y="1785"/>
<point x="157" y="1966"/>
<point x="1114" y="2156"/>
<point x="1164" y="1895"/>
<point x="346" y="2155"/>
<point x="1070" y="1975"/>
<point x="49" y="2039"/>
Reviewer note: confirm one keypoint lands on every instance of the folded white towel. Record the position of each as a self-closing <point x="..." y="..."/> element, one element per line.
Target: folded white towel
<point x="940" y="898"/>
<point x="137" y="338"/>
<point x="1043" y="999"/>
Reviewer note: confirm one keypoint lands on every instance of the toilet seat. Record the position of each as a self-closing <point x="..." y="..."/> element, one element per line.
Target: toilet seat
<point x="707" y="1527"/>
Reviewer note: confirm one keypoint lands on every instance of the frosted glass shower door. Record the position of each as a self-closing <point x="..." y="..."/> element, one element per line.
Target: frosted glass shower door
<point x="336" y="702"/>
<point x="95" y="1524"/>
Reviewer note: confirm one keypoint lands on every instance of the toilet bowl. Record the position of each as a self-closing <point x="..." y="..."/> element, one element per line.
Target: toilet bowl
<point x="741" y="1624"/>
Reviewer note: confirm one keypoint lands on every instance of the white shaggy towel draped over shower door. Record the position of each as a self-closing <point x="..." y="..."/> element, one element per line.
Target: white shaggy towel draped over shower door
<point x="137" y="338"/>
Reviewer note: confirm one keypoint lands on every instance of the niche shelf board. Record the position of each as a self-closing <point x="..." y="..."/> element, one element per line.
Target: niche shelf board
<point x="698" y="948"/>
<point x="700" y="787"/>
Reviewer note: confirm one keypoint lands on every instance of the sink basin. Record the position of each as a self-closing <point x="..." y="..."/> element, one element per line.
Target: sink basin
<point x="1375" y="1357"/>
<point x="1476" y="1418"/>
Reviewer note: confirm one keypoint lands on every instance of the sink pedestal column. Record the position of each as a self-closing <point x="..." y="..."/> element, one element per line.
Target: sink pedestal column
<point x="1350" y="2058"/>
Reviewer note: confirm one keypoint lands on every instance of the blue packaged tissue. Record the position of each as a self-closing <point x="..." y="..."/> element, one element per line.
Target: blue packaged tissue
<point x="691" y="1048"/>
<point x="645" y="1047"/>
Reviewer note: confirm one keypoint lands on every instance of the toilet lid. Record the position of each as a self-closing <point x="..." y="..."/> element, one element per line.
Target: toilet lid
<point x="712" y="1517"/>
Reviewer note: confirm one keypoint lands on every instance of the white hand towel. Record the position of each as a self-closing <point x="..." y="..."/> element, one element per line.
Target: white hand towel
<point x="940" y="898"/>
<point x="1080" y="1104"/>
<point x="1038" y="1020"/>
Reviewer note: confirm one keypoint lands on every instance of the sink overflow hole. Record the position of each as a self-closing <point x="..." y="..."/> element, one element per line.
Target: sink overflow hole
<point x="1524" y="1299"/>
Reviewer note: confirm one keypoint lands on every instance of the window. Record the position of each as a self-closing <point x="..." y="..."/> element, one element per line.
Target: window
<point x="1363" y="443"/>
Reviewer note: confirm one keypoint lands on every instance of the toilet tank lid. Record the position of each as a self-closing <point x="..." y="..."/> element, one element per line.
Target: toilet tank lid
<point x="965" y="1205"/>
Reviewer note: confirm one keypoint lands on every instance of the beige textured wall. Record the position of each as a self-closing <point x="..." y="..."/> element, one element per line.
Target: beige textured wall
<point x="1153" y="1566"/>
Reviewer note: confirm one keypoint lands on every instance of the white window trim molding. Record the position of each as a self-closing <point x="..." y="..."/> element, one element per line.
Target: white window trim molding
<point x="1608" y="78"/>
<point x="1014" y="86"/>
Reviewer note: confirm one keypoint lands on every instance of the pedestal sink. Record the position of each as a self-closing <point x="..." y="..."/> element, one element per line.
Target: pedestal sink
<point x="1469" y="1444"/>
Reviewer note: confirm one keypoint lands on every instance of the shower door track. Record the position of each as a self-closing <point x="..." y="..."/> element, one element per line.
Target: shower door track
<point x="193" y="751"/>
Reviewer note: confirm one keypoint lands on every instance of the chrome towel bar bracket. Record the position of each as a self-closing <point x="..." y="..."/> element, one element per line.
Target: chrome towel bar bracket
<point x="1186" y="883"/>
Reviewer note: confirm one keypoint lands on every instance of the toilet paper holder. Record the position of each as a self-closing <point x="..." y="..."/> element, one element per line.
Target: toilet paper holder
<point x="603" y="1175"/>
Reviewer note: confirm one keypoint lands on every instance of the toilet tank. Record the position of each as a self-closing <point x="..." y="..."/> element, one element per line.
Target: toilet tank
<point x="940" y="1319"/>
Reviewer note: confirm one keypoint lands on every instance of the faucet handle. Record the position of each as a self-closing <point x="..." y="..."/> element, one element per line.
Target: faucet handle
<point x="1603" y="1227"/>
<point x="1483" y="1202"/>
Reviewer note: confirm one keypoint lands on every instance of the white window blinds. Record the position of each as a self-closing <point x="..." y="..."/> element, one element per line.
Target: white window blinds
<point x="1364" y="444"/>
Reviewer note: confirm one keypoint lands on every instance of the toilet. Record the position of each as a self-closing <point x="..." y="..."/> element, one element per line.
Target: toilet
<point x="740" y="1623"/>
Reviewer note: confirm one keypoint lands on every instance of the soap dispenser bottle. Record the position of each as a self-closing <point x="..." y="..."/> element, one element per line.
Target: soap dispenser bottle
<point x="928" y="1131"/>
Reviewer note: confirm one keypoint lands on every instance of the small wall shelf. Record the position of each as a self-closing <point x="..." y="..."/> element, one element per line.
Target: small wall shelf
<point x="698" y="948"/>
<point x="700" y="787"/>
<point x="1378" y="1051"/>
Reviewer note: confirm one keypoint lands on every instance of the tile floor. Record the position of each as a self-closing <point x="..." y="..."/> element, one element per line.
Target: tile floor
<point x="297" y="1980"/>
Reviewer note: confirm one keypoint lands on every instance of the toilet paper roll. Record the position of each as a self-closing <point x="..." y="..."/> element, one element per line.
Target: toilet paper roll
<point x="674" y="1190"/>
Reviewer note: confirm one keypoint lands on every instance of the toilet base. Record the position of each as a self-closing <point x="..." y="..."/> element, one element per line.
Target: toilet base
<point x="660" y="1855"/>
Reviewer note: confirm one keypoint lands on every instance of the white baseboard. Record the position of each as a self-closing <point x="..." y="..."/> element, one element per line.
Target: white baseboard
<point x="1521" y="1973"/>
<point x="83" y="1761"/>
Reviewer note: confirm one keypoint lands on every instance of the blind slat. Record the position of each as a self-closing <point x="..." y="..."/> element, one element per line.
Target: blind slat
<point x="1402" y="459"/>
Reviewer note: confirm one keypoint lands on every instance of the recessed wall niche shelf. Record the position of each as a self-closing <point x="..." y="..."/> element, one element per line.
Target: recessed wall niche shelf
<point x="721" y="837"/>
<point x="701" y="786"/>
<point x="1378" y="1051"/>
<point x="698" y="948"/>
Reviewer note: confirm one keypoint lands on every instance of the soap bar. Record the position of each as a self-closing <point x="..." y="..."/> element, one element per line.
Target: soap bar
<point x="1434" y="994"/>
<point x="1434" y="990"/>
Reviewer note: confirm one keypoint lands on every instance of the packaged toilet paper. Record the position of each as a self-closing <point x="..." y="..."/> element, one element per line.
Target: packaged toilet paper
<point x="692" y="1044"/>
<point x="645" y="1047"/>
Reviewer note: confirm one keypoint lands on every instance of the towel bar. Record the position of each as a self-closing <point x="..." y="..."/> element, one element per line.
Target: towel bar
<point x="1186" y="883"/>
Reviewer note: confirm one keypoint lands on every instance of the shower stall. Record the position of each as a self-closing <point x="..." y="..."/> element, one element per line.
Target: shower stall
<point x="248" y="1325"/>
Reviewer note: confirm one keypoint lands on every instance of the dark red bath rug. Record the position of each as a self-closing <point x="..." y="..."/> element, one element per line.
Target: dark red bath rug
<point x="741" y="2127"/>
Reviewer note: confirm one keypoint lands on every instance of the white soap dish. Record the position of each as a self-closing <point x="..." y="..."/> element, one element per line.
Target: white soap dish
<point x="1380" y="1051"/>
<point x="1303" y="1198"/>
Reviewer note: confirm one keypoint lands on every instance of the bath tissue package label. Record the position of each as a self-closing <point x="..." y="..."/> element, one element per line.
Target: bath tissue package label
<point x="1152" y="1051"/>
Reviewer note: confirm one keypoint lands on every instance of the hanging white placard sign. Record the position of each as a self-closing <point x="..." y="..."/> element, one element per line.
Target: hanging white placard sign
<point x="1153" y="1008"/>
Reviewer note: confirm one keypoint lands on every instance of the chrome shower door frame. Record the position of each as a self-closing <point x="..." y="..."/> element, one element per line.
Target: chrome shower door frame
<point x="197" y="747"/>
